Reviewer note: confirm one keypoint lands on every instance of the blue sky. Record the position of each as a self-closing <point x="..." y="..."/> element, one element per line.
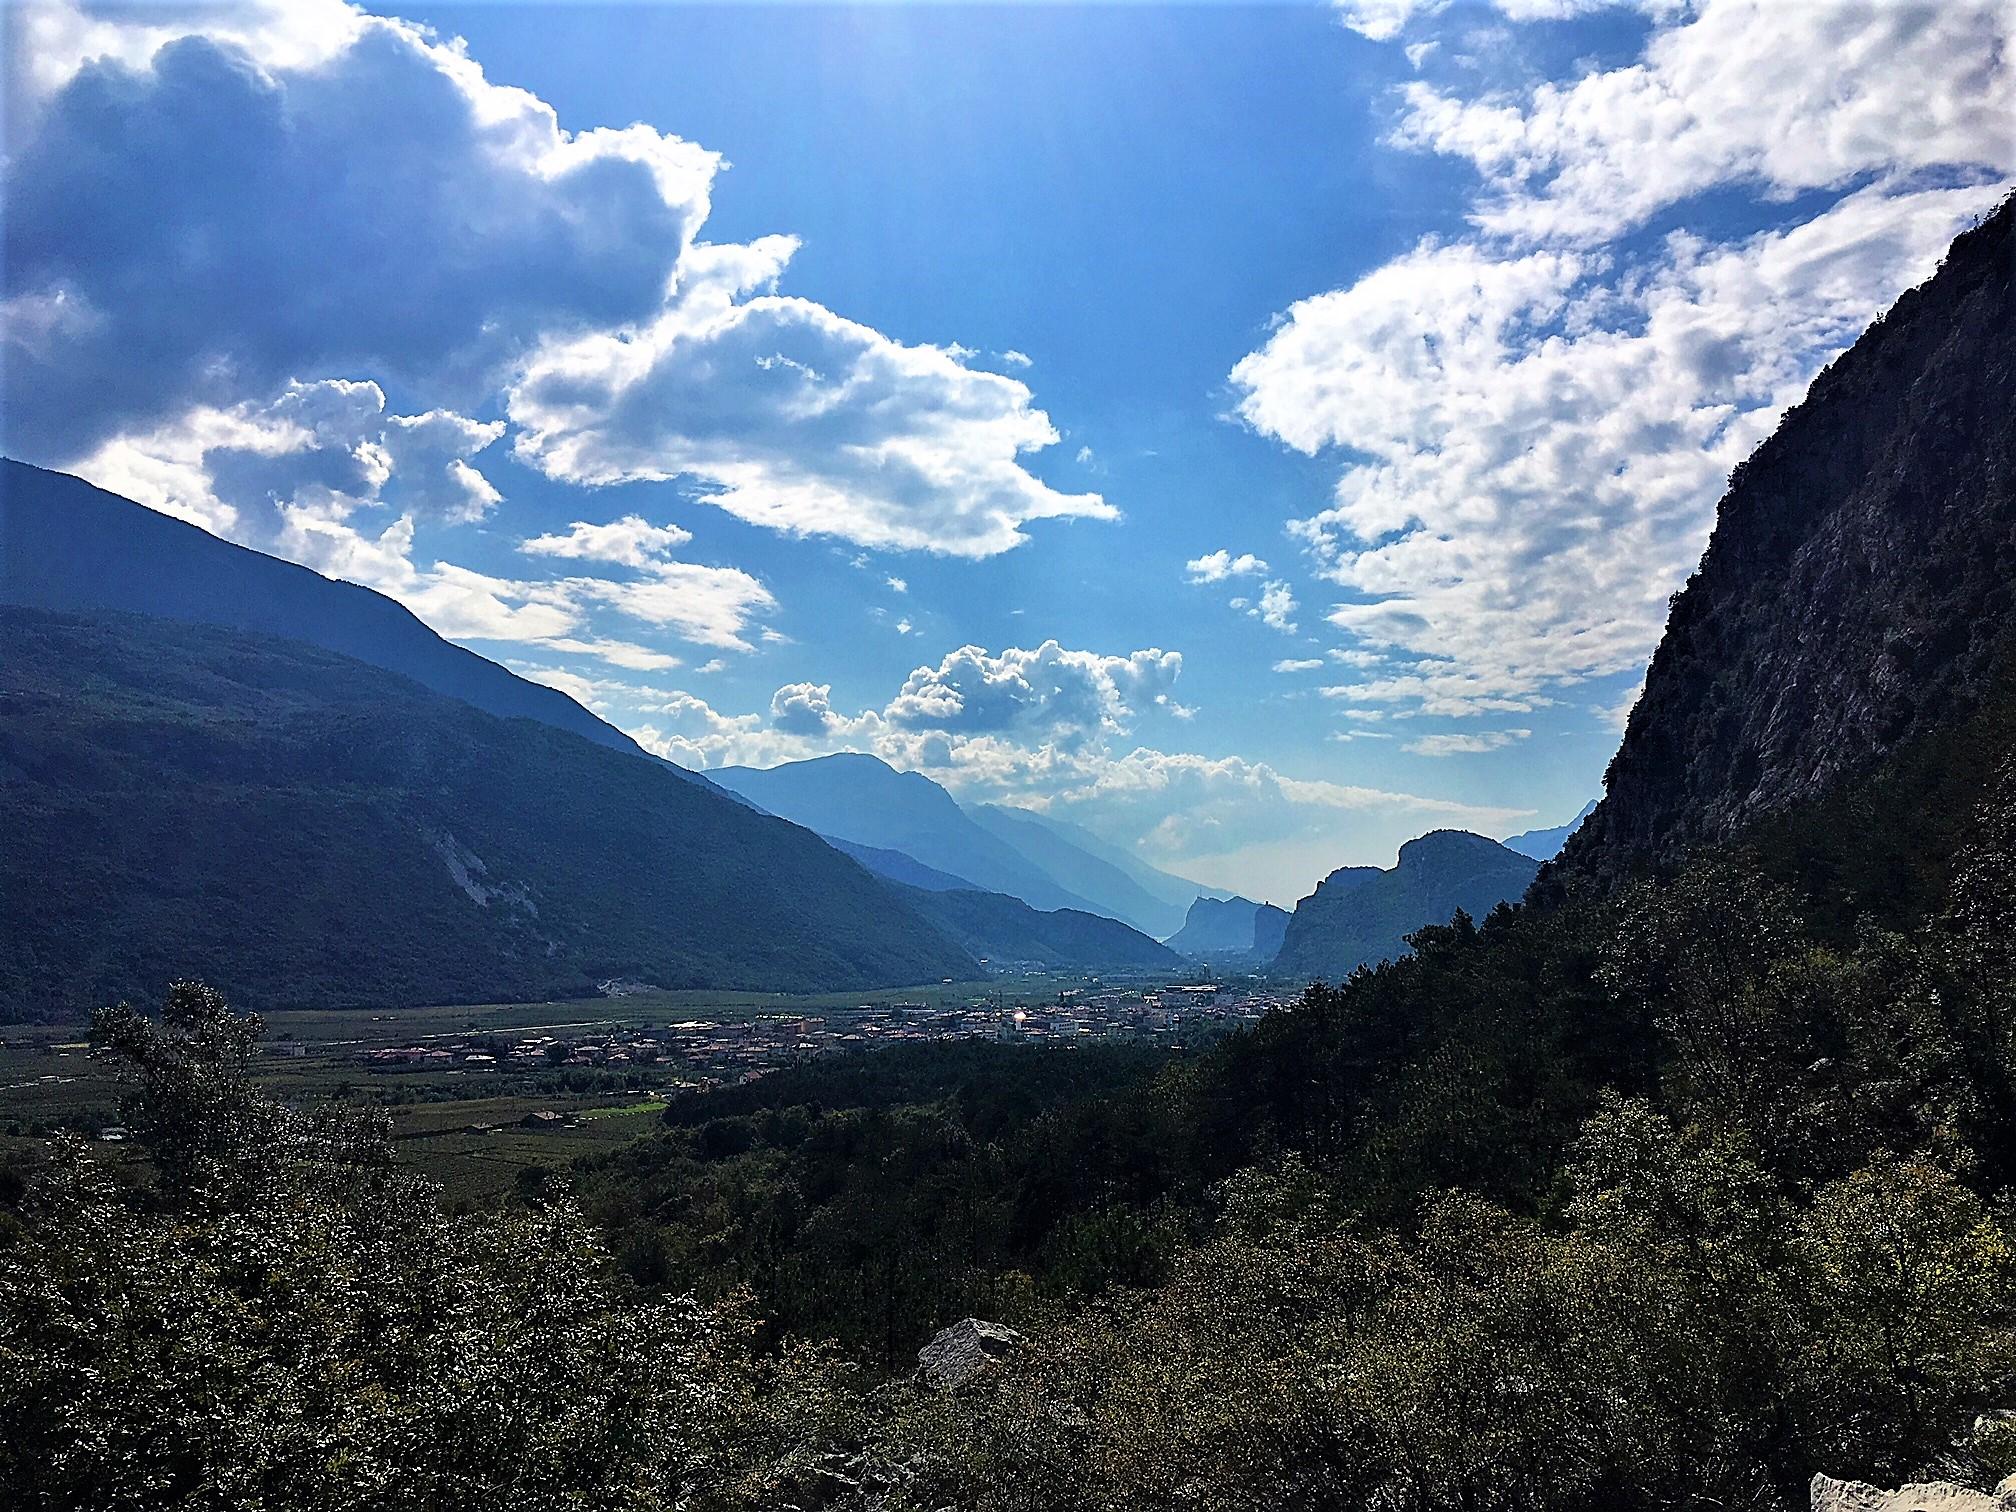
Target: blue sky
<point x="1259" y="433"/>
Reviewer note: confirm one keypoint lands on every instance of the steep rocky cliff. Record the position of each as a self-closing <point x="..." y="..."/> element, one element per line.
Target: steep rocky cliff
<point x="1859" y="589"/>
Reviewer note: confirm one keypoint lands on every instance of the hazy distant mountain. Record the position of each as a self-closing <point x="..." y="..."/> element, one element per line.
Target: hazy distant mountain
<point x="1231" y="926"/>
<point x="1173" y="892"/>
<point x="1066" y="859"/>
<point x="1270" y="928"/>
<point x="68" y="546"/>
<point x="895" y="866"/>
<point x="299" y="828"/>
<point x="1360" y="915"/>
<point x="1003" y="931"/>
<point x="864" y="800"/>
<point x="1545" y="844"/>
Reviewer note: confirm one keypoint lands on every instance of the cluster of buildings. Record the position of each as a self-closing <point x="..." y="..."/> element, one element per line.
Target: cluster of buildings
<point x="605" y="1049"/>
<point x="1186" y="1015"/>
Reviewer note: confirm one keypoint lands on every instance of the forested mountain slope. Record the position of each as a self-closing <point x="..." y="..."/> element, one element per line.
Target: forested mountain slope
<point x="1005" y="931"/>
<point x="1859" y="589"/>
<point x="300" y="828"/>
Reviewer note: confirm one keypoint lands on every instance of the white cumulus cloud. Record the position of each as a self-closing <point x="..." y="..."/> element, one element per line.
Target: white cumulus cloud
<point x="1464" y="744"/>
<point x="329" y="443"/>
<point x="211" y="205"/>
<point x="1780" y="98"/>
<point x="803" y="709"/>
<point x="1544" y="440"/>
<point x="1534" y="421"/>
<point x="1383" y="20"/>
<point x="1216" y="566"/>
<point x="1277" y="606"/>
<point x="1050" y="691"/>
<point x="710" y="606"/>
<point x="630" y="542"/>
<point x="795" y="418"/>
<point x="181" y="186"/>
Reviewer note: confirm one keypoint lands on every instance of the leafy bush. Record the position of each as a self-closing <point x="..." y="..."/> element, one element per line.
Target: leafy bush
<point x="278" y="1316"/>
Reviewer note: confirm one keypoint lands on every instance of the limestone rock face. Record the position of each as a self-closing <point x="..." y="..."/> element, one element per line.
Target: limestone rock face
<point x="1859" y="589"/>
<point x="957" y="1354"/>
<point x="1831" y="1495"/>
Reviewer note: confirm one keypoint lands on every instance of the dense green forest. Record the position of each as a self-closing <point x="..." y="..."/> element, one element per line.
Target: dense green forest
<point x="870" y="1199"/>
<point x="1665" y="1198"/>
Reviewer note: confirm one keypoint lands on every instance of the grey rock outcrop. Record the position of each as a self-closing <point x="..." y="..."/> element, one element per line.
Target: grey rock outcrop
<point x="962" y="1351"/>
<point x="1830" y="1495"/>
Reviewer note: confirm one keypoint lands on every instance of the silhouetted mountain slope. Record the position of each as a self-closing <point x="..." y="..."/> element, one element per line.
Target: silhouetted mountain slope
<point x="1270" y="929"/>
<point x="1360" y="915"/>
<point x="1545" y="844"/>
<point x="299" y="828"/>
<point x="863" y="799"/>
<point x="68" y="546"/>
<point x="1111" y="890"/>
<point x="896" y="866"/>
<point x="1173" y="892"/>
<point x="1859" y="589"/>
<point x="1231" y="926"/>
<point x="1004" y="931"/>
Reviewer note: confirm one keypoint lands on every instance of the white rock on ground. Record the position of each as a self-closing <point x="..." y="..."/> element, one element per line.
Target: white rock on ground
<point x="1831" y="1495"/>
<point x="958" y="1353"/>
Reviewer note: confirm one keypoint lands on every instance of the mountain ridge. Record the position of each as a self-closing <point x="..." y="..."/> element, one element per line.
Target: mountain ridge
<point x="70" y="546"/>
<point x="1116" y="892"/>
<point x="894" y="866"/>
<point x="1000" y="930"/>
<point x="1170" y="889"/>
<point x="1361" y="915"/>
<point x="1545" y="844"/>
